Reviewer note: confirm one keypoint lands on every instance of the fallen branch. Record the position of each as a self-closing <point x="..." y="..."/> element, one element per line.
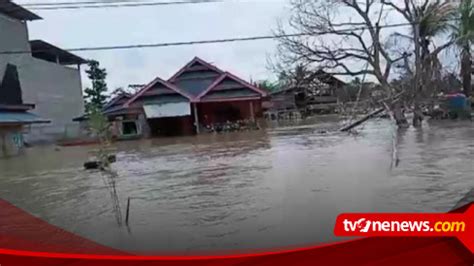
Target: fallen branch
<point x="362" y="120"/>
<point x="371" y="115"/>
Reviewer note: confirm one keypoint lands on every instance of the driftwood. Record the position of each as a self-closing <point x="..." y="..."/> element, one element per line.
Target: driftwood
<point x="362" y="120"/>
<point x="95" y="164"/>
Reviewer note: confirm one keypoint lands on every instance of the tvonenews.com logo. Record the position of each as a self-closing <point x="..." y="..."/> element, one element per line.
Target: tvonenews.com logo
<point x="456" y="224"/>
<point x="364" y="225"/>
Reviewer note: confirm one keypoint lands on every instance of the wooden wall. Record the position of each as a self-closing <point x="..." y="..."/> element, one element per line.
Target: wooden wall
<point x="219" y="112"/>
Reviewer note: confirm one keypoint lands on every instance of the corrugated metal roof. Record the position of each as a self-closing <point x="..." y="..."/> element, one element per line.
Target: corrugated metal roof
<point x="117" y="101"/>
<point x="13" y="10"/>
<point x="20" y="118"/>
<point x="46" y="51"/>
<point x="194" y="86"/>
<point x="200" y="74"/>
<point x="113" y="109"/>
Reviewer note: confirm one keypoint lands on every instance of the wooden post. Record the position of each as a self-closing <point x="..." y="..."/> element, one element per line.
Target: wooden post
<point x="128" y="211"/>
<point x="252" y="115"/>
<point x="196" y="118"/>
<point x="3" y="141"/>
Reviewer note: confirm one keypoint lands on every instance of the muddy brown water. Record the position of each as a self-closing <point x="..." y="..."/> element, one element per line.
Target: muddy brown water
<point x="278" y="187"/>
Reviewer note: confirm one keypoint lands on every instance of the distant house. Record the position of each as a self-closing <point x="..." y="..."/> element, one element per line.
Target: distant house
<point x="14" y="114"/>
<point x="318" y="96"/>
<point x="122" y="127"/>
<point x="198" y="95"/>
<point x="49" y="76"/>
<point x="282" y="104"/>
<point x="325" y="96"/>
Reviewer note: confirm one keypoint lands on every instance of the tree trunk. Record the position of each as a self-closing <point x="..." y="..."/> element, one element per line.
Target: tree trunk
<point x="417" y="115"/>
<point x="466" y="70"/>
<point x="399" y="115"/>
<point x="420" y="53"/>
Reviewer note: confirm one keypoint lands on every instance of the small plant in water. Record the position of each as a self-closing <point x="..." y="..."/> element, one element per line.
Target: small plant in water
<point x="100" y="128"/>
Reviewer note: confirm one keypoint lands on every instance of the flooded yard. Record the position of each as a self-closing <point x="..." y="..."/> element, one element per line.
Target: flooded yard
<point x="277" y="187"/>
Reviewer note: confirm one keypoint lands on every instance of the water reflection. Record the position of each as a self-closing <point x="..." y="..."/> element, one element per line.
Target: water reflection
<point x="271" y="188"/>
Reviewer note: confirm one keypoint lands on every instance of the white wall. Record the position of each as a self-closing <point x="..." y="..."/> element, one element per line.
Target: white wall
<point x="55" y="89"/>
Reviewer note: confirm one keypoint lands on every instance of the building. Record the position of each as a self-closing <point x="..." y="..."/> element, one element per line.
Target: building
<point x="319" y="94"/>
<point x="14" y="114"/>
<point x="283" y="104"/>
<point x="197" y="97"/>
<point x="121" y="128"/>
<point x="49" y="76"/>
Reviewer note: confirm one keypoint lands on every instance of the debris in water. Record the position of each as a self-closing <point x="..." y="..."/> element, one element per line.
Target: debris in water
<point x="95" y="164"/>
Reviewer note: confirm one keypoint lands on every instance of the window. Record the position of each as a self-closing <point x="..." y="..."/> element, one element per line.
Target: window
<point x="129" y="128"/>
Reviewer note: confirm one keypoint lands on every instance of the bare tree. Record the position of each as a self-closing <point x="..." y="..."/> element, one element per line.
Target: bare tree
<point x="427" y="19"/>
<point x="357" y="44"/>
<point x="353" y="46"/>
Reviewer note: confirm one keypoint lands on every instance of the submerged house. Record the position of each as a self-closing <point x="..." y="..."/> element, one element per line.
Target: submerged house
<point x="198" y="95"/>
<point x="14" y="114"/>
<point x="49" y="76"/>
<point x="122" y="126"/>
<point x="283" y="103"/>
<point x="319" y="93"/>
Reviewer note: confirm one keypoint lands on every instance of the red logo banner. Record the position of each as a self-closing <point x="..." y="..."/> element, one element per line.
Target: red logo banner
<point x="27" y="240"/>
<point x="460" y="225"/>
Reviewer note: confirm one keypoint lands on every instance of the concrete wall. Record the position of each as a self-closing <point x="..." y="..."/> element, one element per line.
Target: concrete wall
<point x="56" y="90"/>
<point x="13" y="35"/>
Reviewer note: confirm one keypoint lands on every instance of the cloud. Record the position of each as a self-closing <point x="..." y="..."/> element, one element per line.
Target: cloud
<point x="157" y="24"/>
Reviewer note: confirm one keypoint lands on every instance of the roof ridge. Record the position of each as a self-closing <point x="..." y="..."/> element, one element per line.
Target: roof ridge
<point x="116" y="98"/>
<point x="153" y="83"/>
<point x="190" y="63"/>
<point x="225" y="75"/>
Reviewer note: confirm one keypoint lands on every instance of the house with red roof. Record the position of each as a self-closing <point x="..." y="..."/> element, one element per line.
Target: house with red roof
<point x="199" y="95"/>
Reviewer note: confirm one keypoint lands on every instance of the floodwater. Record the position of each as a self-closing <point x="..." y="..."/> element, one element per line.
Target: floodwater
<point x="278" y="187"/>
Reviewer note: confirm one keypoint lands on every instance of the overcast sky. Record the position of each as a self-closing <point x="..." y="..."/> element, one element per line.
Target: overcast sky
<point x="157" y="24"/>
<point x="75" y="28"/>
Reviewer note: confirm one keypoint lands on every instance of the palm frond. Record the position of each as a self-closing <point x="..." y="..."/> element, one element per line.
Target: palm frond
<point x="435" y="18"/>
<point x="464" y="30"/>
